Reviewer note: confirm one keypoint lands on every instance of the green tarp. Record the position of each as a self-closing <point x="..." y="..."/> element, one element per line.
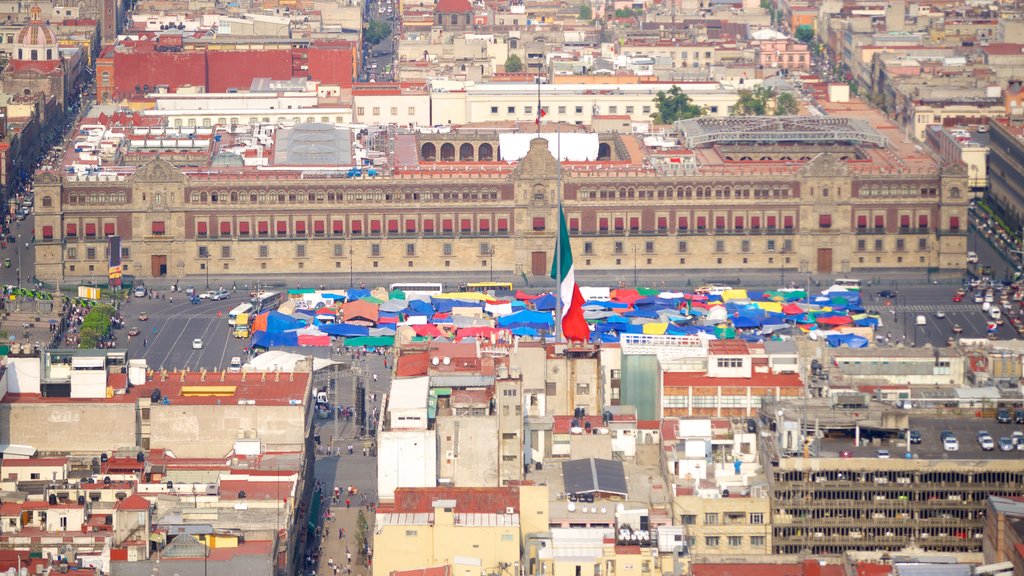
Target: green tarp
<point x="375" y="341"/>
<point x="396" y="295"/>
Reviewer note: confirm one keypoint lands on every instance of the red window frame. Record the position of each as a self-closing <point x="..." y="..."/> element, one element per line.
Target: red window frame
<point x="502" y="224"/>
<point x="47" y="232"/>
<point x="225" y="228"/>
<point x="201" y="228"/>
<point x="90" y="230"/>
<point x="243" y="228"/>
<point x="108" y="229"/>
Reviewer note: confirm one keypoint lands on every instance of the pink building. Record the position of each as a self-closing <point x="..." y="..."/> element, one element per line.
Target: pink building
<point x="783" y="53"/>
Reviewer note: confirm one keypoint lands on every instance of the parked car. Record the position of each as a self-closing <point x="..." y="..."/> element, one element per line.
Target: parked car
<point x="197" y="344"/>
<point x="884" y="454"/>
<point x="140" y="292"/>
<point x="1018" y="416"/>
<point x="986" y="442"/>
<point x="915" y="437"/>
<point x="1005" y="444"/>
<point x="221" y="294"/>
<point x="950" y="444"/>
<point x="1003" y="416"/>
<point x="1018" y="439"/>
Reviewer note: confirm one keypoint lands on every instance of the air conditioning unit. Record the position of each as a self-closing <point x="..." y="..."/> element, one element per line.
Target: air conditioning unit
<point x="510" y="510"/>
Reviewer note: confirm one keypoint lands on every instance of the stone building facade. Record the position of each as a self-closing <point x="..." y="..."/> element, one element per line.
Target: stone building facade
<point x="822" y="218"/>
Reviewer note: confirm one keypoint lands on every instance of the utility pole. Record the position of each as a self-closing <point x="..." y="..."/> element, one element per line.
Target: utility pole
<point x="635" y="250"/>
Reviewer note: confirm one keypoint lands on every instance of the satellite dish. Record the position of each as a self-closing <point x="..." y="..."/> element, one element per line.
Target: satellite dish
<point x="571" y="506"/>
<point x="447" y="361"/>
<point x="435" y="361"/>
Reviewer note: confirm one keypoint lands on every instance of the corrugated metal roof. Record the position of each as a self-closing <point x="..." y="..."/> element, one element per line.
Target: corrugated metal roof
<point x="403" y="519"/>
<point x="460" y="381"/>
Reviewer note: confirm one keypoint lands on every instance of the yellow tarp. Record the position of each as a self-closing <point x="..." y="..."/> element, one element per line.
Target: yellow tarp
<point x="468" y="296"/>
<point x="734" y="295"/>
<point x="770" y="306"/>
<point x="655" y="328"/>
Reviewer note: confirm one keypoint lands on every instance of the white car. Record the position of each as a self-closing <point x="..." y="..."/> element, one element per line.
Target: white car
<point x="236" y="364"/>
<point x="221" y="294"/>
<point x="197" y="344"/>
<point x="940" y="314"/>
<point x="972" y="258"/>
<point x="950" y="444"/>
<point x="208" y="295"/>
<point x="884" y="454"/>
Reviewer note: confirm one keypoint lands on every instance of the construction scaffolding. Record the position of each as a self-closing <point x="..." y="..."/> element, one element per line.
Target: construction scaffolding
<point x="777" y="129"/>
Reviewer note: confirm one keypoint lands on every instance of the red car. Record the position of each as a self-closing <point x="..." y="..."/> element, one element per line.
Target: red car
<point x="957" y="298"/>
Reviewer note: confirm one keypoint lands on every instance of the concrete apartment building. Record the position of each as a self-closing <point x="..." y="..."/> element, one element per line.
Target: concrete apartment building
<point x="1006" y="171"/>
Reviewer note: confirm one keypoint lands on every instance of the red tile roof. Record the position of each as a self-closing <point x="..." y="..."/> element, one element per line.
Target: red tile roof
<point x="448" y="6"/>
<point x="728" y="347"/>
<point x="691" y="379"/>
<point x="1004" y="49"/>
<point x="869" y="569"/>
<point x="563" y="424"/>
<point x="32" y="462"/>
<point x="467" y="500"/>
<point x="133" y="502"/>
<point x="412" y="364"/>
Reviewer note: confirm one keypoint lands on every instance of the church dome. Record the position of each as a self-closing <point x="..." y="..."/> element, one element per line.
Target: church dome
<point x="37" y="35"/>
<point x="36" y="40"/>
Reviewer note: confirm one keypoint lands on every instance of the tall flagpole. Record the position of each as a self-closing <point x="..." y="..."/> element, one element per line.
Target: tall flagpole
<point x="558" y="243"/>
<point x="538" y="106"/>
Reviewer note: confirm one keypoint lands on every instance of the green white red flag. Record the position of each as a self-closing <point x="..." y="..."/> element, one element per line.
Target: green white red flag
<point x="574" y="326"/>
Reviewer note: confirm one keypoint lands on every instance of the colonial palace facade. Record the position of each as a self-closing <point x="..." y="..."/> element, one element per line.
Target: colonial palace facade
<point x="814" y="216"/>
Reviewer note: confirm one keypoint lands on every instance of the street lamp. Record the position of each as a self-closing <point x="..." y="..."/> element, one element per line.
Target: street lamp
<point x="635" y="250"/>
<point x="19" y="260"/>
<point x="207" y="270"/>
<point x="351" y="278"/>
<point x="490" y="261"/>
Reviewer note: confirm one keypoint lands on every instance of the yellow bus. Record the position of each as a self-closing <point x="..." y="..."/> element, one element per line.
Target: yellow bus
<point x="486" y="287"/>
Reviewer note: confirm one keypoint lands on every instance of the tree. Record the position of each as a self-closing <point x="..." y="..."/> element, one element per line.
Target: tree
<point x="513" y="64"/>
<point x="674" y="105"/>
<point x="753" y="102"/>
<point x="586" y="13"/>
<point x="95" y="325"/>
<point x="805" y="33"/>
<point x="376" y="32"/>
<point x="627" y="13"/>
<point x="786" y="104"/>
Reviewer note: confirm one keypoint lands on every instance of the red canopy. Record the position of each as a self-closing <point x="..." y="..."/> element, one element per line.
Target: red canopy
<point x="520" y="295"/>
<point x="792" y="309"/>
<point x="326" y="311"/>
<point x="428" y="330"/>
<point x="627" y="295"/>
<point x="835" y="320"/>
<point x="476" y="331"/>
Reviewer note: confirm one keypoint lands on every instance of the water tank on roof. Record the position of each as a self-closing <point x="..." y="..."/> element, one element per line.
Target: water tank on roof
<point x="155" y="396"/>
<point x="241" y="494"/>
<point x="52" y="499"/>
<point x="106" y="480"/>
<point x="103" y="457"/>
<point x="140" y="457"/>
<point x="81" y="500"/>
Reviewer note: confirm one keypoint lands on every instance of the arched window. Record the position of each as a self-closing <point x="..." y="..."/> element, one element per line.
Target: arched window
<point x="428" y="152"/>
<point x="447" y="152"/>
<point x="47" y="201"/>
<point x="485" y="153"/>
<point x="35" y="54"/>
<point x="466" y="152"/>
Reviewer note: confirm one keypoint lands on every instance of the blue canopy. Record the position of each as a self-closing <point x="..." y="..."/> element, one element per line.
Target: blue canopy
<point x="545" y="302"/>
<point x="445" y="305"/>
<point x="345" y="330"/>
<point x="268" y="339"/>
<point x="356" y="294"/>
<point x="848" y="340"/>
<point x="525" y="331"/>
<point x="418" y="308"/>
<point x="642" y="314"/>
<point x="869" y="321"/>
<point x="278" y="322"/>
<point x="607" y="304"/>
<point x="530" y="318"/>
<point x="746" y="321"/>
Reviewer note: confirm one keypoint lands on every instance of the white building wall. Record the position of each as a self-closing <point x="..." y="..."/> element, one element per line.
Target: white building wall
<point x="405" y="459"/>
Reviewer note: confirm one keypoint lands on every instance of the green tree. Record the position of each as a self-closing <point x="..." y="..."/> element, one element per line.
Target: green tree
<point x="753" y="102"/>
<point x="586" y="13"/>
<point x="786" y="104"/>
<point x="376" y="32"/>
<point x="674" y="105"/>
<point x="95" y="325"/>
<point x="513" y="64"/>
<point x="805" y="33"/>
<point x="627" y="13"/>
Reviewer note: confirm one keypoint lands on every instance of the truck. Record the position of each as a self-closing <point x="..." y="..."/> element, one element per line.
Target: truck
<point x="240" y="329"/>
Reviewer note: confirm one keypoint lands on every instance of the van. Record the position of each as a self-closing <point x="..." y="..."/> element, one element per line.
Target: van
<point x="236" y="364"/>
<point x="922" y="320"/>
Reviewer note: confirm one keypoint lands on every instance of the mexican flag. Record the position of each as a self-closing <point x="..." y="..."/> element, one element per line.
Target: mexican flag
<point x="574" y="326"/>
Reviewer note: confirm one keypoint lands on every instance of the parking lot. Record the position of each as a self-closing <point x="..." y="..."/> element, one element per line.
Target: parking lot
<point x="166" y="337"/>
<point x="964" y="428"/>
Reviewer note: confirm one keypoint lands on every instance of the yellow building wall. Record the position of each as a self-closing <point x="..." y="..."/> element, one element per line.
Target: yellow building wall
<point x="726" y="523"/>
<point x="409" y="547"/>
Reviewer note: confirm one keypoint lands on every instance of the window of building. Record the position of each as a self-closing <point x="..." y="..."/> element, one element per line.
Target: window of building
<point x="264" y="251"/>
<point x="861" y="245"/>
<point x="588" y="247"/>
<point x="879" y="245"/>
<point x="90" y="253"/>
<point x="711" y="541"/>
<point x="410" y="249"/>
<point x="72" y="253"/>
<point x="735" y="541"/>
<point x="682" y="245"/>
<point x="204" y="252"/>
<point x="446" y="249"/>
<point x="618" y="248"/>
<point x="561" y="109"/>
<point x="756" y="518"/>
<point x="646" y="109"/>
<point x="730" y="362"/>
<point x="629" y="109"/>
<point x="613" y="109"/>
<point x="375" y="250"/>
<point x="511" y="109"/>
<point x="719" y="245"/>
<point x="757" y="541"/>
<point x="787" y="245"/>
<point x="711" y="518"/>
<point x="300" y="251"/>
<point x="494" y="109"/>
<point x="579" y="109"/>
<point x="745" y="246"/>
<point x="649" y="246"/>
<point x="688" y="519"/>
<point x="225" y="251"/>
<point x="770" y="246"/>
<point x="900" y="244"/>
<point x="922" y="244"/>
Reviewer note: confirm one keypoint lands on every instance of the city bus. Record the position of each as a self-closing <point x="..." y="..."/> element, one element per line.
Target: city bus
<point x="486" y="287"/>
<point x="418" y="288"/>
<point x="240" y="309"/>
<point x="264" y="301"/>
<point x="847" y="284"/>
